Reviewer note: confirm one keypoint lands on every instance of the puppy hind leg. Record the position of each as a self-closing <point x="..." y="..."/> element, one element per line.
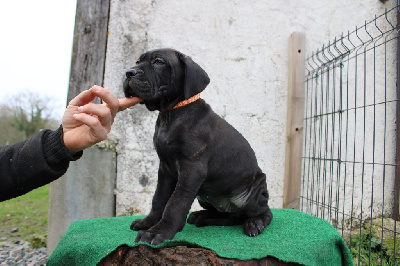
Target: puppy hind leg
<point x="210" y="217"/>
<point x="207" y="217"/>
<point x="257" y="210"/>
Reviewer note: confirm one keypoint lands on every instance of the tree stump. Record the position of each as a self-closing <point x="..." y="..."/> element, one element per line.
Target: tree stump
<point x="180" y="255"/>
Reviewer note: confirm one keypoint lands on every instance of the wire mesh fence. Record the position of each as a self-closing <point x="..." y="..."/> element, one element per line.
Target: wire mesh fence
<point x="349" y="174"/>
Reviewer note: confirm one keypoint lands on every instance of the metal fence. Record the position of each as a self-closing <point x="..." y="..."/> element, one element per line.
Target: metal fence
<point x="349" y="174"/>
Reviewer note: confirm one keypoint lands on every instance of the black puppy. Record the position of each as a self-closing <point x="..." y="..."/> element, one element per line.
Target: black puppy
<point x="200" y="153"/>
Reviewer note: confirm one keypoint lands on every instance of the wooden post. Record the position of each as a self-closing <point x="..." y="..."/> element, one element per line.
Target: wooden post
<point x="89" y="47"/>
<point x="295" y="117"/>
<point x="86" y="190"/>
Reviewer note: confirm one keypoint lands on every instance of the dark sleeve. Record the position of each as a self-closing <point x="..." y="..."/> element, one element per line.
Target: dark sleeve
<point x="33" y="163"/>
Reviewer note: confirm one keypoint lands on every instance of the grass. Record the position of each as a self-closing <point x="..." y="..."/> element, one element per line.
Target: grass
<point x="369" y="251"/>
<point x="369" y="248"/>
<point x="28" y="213"/>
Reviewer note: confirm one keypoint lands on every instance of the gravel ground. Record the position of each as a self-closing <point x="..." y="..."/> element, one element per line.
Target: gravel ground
<point x="21" y="253"/>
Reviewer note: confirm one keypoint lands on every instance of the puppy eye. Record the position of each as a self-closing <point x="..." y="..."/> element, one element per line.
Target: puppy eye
<point x="158" y="61"/>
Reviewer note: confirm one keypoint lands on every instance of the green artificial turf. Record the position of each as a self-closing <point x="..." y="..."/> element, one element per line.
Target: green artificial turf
<point x="292" y="236"/>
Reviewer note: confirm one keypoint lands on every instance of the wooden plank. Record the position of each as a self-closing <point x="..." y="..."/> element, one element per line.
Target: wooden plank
<point x="295" y="117"/>
<point x="89" y="46"/>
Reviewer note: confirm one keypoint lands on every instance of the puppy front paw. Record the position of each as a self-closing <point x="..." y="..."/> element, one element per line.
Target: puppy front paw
<point x="142" y="224"/>
<point x="153" y="237"/>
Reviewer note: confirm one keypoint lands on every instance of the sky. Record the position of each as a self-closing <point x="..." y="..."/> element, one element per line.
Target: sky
<point x="35" y="49"/>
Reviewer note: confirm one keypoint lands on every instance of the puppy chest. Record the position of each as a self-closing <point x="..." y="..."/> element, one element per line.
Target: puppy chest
<point x="166" y="145"/>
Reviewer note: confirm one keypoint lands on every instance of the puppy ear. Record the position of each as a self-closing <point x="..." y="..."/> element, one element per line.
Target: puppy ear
<point x="196" y="79"/>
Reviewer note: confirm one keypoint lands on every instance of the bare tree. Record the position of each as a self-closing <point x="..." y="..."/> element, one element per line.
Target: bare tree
<point x="8" y="134"/>
<point x="23" y="115"/>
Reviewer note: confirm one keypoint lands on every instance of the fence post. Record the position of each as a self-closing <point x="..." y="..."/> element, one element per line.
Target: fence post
<point x="396" y="211"/>
<point x="295" y="117"/>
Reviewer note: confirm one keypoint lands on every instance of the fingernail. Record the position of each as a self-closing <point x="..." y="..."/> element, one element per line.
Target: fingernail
<point x="96" y="88"/>
<point x="80" y="108"/>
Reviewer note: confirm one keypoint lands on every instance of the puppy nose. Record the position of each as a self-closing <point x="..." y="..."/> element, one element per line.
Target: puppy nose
<point x="131" y="73"/>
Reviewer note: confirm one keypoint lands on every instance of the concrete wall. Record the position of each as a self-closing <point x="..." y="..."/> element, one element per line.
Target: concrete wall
<point x="243" y="46"/>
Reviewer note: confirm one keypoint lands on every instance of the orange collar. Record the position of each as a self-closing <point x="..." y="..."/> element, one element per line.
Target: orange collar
<point x="186" y="102"/>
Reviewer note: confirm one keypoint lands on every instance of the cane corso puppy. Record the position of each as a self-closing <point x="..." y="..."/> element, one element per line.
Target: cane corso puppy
<point x="201" y="155"/>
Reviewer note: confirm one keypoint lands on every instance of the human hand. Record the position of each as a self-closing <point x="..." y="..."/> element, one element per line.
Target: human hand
<point x="85" y="123"/>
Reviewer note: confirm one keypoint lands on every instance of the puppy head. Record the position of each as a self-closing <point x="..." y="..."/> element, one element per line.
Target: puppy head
<point x="164" y="77"/>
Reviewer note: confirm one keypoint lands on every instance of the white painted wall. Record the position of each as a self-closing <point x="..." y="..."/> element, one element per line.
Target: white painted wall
<point x="243" y="46"/>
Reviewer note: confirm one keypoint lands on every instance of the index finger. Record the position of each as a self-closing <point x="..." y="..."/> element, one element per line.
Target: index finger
<point x="128" y="102"/>
<point x="82" y="98"/>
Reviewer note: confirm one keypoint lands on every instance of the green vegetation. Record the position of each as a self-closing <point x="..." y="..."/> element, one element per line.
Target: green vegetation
<point x="25" y="217"/>
<point x="28" y="213"/>
<point x="369" y="248"/>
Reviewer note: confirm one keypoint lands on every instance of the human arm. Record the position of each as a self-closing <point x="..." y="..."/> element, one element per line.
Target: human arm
<point x="32" y="163"/>
<point x="45" y="157"/>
